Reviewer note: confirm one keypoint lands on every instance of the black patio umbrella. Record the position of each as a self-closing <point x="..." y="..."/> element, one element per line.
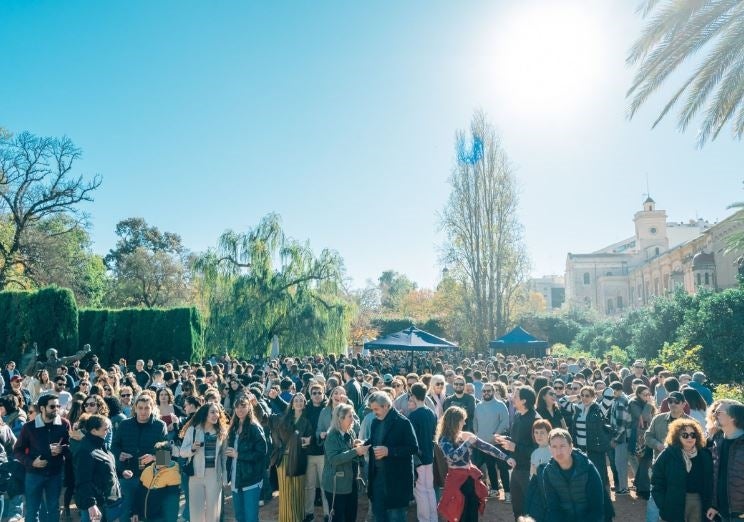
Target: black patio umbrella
<point x="412" y="340"/>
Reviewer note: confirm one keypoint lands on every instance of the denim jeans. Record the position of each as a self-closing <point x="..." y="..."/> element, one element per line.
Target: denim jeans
<point x="43" y="489"/>
<point x="185" y="490"/>
<point x="652" y="511"/>
<point x="621" y="463"/>
<point x="128" y="490"/>
<point x="113" y="513"/>
<point x="245" y="504"/>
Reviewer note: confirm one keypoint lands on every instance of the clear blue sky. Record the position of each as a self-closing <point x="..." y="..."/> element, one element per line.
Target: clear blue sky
<point x="204" y="116"/>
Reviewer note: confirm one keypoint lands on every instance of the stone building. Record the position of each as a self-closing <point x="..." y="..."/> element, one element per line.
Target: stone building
<point x="660" y="257"/>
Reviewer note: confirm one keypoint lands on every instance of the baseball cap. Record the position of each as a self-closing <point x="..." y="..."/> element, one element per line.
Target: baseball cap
<point x="388" y="378"/>
<point x="16" y="378"/>
<point x="677" y="396"/>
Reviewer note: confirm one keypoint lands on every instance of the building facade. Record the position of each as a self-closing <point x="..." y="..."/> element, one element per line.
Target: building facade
<point x="660" y="257"/>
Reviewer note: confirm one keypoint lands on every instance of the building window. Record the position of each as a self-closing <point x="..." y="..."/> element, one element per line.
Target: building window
<point x="657" y="251"/>
<point x="619" y="301"/>
<point x="707" y="278"/>
<point x="587" y="279"/>
<point x="610" y="306"/>
<point x="608" y="274"/>
<point x="699" y="279"/>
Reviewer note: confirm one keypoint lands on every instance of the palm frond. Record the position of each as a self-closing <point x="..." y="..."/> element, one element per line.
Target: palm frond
<point x="676" y="31"/>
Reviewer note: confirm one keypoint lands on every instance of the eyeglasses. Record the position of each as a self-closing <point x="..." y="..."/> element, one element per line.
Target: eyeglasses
<point x="316" y="393"/>
<point x="107" y="389"/>
<point x="62" y="384"/>
<point x="718" y="412"/>
<point x="89" y="404"/>
<point x="559" y="388"/>
<point x="126" y="394"/>
<point x="458" y="384"/>
<point x="688" y="435"/>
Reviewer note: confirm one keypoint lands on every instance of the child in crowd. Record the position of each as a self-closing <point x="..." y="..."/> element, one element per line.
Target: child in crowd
<point x="541" y="455"/>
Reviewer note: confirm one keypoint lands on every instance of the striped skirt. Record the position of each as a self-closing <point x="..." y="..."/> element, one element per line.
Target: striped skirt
<point x="291" y="496"/>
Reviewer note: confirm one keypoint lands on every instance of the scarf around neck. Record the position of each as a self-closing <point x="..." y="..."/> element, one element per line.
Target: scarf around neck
<point x="688" y="456"/>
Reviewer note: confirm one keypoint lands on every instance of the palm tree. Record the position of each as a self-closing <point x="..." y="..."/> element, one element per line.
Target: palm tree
<point x="678" y="29"/>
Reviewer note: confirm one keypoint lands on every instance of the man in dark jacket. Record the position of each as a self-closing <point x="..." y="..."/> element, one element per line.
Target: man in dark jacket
<point x="42" y="448"/>
<point x="728" y="463"/>
<point x="134" y="446"/>
<point x="393" y="444"/>
<point x="315" y="457"/>
<point x="461" y="399"/>
<point x="353" y="390"/>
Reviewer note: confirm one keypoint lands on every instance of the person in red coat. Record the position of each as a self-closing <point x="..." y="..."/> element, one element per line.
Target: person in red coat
<point x="464" y="496"/>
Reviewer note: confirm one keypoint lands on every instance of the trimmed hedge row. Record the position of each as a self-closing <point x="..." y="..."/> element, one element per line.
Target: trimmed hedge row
<point x="388" y="325"/>
<point x="136" y="333"/>
<point x="47" y="316"/>
<point x="50" y="318"/>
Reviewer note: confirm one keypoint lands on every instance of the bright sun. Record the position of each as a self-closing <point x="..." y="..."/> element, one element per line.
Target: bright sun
<point x="547" y="57"/>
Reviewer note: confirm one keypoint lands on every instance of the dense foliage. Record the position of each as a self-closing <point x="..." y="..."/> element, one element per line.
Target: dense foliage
<point x="139" y="333"/>
<point x="684" y="332"/>
<point x="47" y="317"/>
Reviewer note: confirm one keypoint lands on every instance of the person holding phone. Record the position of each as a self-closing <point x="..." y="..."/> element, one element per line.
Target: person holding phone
<point x="341" y="466"/>
<point x="204" y="443"/>
<point x="97" y="487"/>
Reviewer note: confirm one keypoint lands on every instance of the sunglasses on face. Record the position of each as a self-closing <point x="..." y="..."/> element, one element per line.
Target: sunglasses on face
<point x="459" y="384"/>
<point x="559" y="388"/>
<point x="316" y="393"/>
<point x="62" y="384"/>
<point x="89" y="404"/>
<point x="126" y="394"/>
<point x="688" y="435"/>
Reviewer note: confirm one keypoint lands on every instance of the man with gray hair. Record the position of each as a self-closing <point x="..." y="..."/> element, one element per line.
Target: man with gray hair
<point x="393" y="445"/>
<point x="698" y="383"/>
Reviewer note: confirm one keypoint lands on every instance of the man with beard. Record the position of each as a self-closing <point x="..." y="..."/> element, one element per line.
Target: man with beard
<point x="491" y="418"/>
<point x="42" y="448"/>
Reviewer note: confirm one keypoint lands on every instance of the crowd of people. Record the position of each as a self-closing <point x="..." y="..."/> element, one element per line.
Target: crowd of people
<point x="556" y="438"/>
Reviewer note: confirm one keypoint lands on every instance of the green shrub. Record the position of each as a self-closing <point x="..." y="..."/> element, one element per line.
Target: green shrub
<point x="138" y="333"/>
<point x="47" y="317"/>
<point x="729" y="391"/>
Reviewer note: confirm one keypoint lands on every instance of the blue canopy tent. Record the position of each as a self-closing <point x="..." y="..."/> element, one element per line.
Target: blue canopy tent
<point x="411" y="339"/>
<point x="518" y="342"/>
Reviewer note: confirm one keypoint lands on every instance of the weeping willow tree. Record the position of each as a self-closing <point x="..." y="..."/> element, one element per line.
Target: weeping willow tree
<point x="260" y="284"/>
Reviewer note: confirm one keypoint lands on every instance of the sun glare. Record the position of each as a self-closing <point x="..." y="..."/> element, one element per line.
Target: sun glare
<point x="546" y="57"/>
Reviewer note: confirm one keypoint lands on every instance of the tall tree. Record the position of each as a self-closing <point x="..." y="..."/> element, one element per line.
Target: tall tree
<point x="264" y="284"/>
<point x="148" y="267"/>
<point x="484" y="247"/>
<point x="393" y="288"/>
<point x="675" y="32"/>
<point x="37" y="183"/>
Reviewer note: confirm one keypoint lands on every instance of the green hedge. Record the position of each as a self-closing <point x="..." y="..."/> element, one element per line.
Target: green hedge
<point x="389" y="325"/>
<point x="137" y="333"/>
<point x="47" y="317"/>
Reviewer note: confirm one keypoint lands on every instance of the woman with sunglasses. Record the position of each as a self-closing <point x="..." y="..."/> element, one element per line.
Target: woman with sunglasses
<point x="548" y="408"/>
<point x="682" y="477"/>
<point x="436" y="394"/>
<point x="589" y="432"/>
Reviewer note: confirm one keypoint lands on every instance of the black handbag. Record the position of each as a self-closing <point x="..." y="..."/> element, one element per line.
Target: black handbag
<point x="188" y="467"/>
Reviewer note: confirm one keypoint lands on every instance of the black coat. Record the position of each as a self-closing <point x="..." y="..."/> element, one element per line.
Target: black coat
<point x="669" y="483"/>
<point x="398" y="437"/>
<point x="95" y="474"/>
<point x="597" y="430"/>
<point x="252" y="453"/>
